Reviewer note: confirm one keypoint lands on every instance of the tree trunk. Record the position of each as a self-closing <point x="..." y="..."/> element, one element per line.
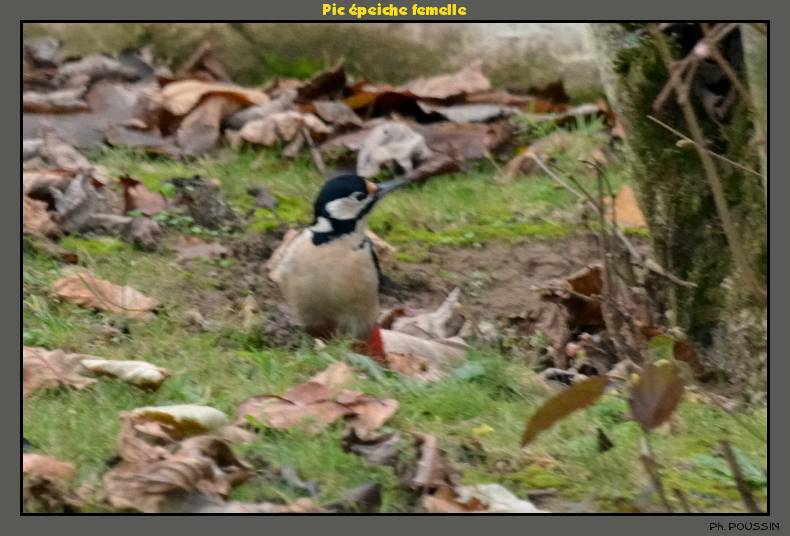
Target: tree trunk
<point x="726" y="319"/>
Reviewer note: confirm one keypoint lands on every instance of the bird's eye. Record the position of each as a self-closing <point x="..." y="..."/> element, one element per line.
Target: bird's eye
<point x="358" y="196"/>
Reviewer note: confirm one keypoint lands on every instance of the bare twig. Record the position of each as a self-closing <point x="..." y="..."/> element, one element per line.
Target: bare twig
<point x="712" y="153"/>
<point x="743" y="488"/>
<point x="314" y="153"/>
<point x="742" y="263"/>
<point x="554" y="176"/>
<point x="746" y="425"/>
<point x="651" y="466"/>
<point x="681" y="497"/>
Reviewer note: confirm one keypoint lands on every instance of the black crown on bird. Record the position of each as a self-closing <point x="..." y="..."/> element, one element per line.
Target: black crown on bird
<point x="343" y="205"/>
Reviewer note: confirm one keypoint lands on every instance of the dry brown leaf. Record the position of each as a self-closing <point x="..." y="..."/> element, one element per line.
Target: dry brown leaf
<point x="274" y="262"/>
<point x="336" y="113"/>
<point x="202" y="464"/>
<point x="282" y="127"/>
<point x="137" y="197"/>
<point x="626" y="209"/>
<point x="36" y="220"/>
<point x="318" y="403"/>
<point x="470" y="79"/>
<point x="139" y="373"/>
<point x="420" y="358"/>
<point x="86" y="290"/>
<point x="38" y="465"/>
<point x="196" y="248"/>
<point x="59" y="101"/>
<point x="478" y="498"/>
<point x="336" y="376"/>
<point x="442" y="323"/>
<point x="656" y="394"/>
<point x="384" y="250"/>
<point x="36" y="184"/>
<point x="328" y="83"/>
<point x="179" y="98"/>
<point x="389" y="142"/>
<point x="59" y="154"/>
<point x="433" y="470"/>
<point x="578" y="396"/>
<point x="43" y="369"/>
<point x="199" y="132"/>
<point x="300" y="506"/>
<point x="183" y="420"/>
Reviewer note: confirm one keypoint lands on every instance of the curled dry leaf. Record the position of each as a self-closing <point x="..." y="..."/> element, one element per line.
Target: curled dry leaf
<point x="184" y="419"/>
<point x="433" y="470"/>
<point x="59" y="154"/>
<point x="137" y="197"/>
<point x="442" y="323"/>
<point x="36" y="219"/>
<point x="318" y="403"/>
<point x="179" y="98"/>
<point x="196" y="248"/>
<point x="300" y="506"/>
<point x="478" y="498"/>
<point x="43" y="369"/>
<point x="420" y="358"/>
<point x="199" y="132"/>
<point x="139" y="373"/>
<point x="86" y="290"/>
<point x="626" y="209"/>
<point x="59" y="101"/>
<point x="38" y="465"/>
<point x="282" y="127"/>
<point x="470" y="79"/>
<point x="384" y="250"/>
<point x="275" y="261"/>
<point x="202" y="464"/>
<point x="578" y="396"/>
<point x="656" y="394"/>
<point x="392" y="141"/>
<point x="381" y="449"/>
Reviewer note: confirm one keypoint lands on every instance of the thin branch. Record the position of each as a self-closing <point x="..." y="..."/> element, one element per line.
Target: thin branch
<point x="681" y="497"/>
<point x="712" y="175"/>
<point x="743" y="488"/>
<point x="553" y="176"/>
<point x="651" y="466"/>
<point x="712" y="153"/>
<point x="314" y="153"/>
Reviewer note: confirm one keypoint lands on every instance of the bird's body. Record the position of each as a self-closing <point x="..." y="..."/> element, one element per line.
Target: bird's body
<point x="329" y="274"/>
<point x="333" y="287"/>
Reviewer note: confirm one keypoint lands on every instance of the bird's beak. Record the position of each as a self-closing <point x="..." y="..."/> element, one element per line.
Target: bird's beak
<point x="386" y="187"/>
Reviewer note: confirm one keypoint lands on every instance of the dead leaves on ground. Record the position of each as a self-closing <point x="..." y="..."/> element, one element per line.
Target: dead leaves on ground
<point x="318" y="403"/>
<point x="83" y="288"/>
<point x="44" y="369"/>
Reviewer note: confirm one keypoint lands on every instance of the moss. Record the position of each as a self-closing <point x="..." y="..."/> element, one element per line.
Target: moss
<point x="672" y="186"/>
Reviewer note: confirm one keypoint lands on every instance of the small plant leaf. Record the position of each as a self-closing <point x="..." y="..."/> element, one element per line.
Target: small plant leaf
<point x="579" y="396"/>
<point x="656" y="394"/>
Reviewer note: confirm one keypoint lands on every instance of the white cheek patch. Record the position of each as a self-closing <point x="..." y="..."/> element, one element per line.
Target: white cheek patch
<point x="347" y="208"/>
<point x="322" y="225"/>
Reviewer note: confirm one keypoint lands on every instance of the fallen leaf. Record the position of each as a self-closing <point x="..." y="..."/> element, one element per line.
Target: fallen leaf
<point x="202" y="464"/>
<point x="433" y="470"/>
<point x="199" y="132"/>
<point x="470" y="79"/>
<point x="384" y="250"/>
<point x="283" y="103"/>
<point x="37" y="184"/>
<point x="493" y="498"/>
<point x="196" y="248"/>
<point x="282" y="127"/>
<point x="382" y="449"/>
<point x="83" y="288"/>
<point x="471" y="113"/>
<point x="326" y="84"/>
<point x="58" y="101"/>
<point x="43" y="369"/>
<point x="300" y="506"/>
<point x="139" y="373"/>
<point x="38" y="465"/>
<point x="137" y="197"/>
<point x="318" y="403"/>
<point x="362" y="499"/>
<point x="150" y="141"/>
<point x="180" y="98"/>
<point x="184" y="419"/>
<point x="442" y="323"/>
<point x="392" y="142"/>
<point x="578" y="396"/>
<point x="93" y="67"/>
<point x="626" y="210"/>
<point x="59" y="154"/>
<point x="656" y="394"/>
<point x="421" y="358"/>
<point x="36" y="219"/>
<point x="335" y="113"/>
<point x="274" y="262"/>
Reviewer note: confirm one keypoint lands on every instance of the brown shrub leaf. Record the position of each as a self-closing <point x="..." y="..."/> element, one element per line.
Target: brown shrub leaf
<point x="470" y="79"/>
<point x="180" y="98"/>
<point x="656" y="394"/>
<point x="86" y="290"/>
<point x="36" y="220"/>
<point x="578" y="396"/>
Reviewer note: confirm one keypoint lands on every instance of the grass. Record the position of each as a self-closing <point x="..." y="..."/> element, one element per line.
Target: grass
<point x="477" y="417"/>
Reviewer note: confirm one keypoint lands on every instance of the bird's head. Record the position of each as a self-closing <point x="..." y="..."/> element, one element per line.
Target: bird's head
<point x="344" y="203"/>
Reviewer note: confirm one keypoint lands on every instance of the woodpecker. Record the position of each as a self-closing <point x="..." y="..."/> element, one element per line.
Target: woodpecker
<point x="330" y="275"/>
